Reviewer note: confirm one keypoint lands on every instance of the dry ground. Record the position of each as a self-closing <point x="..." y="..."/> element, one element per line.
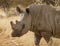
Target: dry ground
<point x="25" y="40"/>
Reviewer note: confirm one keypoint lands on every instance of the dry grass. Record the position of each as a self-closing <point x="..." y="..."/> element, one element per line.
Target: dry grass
<point x="25" y="40"/>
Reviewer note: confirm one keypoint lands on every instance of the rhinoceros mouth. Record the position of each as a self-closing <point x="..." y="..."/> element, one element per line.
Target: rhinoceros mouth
<point x="18" y="33"/>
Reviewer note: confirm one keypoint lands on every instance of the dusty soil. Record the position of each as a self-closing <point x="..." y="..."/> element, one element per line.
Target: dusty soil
<point x="25" y="40"/>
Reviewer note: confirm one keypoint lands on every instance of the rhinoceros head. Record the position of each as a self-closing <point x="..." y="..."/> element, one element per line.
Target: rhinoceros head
<point x="20" y="25"/>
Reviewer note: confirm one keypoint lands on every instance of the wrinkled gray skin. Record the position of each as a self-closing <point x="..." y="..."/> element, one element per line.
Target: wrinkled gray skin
<point x="43" y="20"/>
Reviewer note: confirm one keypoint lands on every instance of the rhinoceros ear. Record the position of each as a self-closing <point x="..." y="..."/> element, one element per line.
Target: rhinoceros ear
<point x="19" y="9"/>
<point x="27" y="10"/>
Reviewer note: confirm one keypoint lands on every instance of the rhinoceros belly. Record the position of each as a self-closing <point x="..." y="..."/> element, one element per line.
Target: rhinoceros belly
<point x="41" y="24"/>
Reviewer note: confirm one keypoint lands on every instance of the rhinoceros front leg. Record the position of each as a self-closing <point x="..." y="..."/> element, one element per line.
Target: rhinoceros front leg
<point x="48" y="37"/>
<point x="37" y="39"/>
<point x="49" y="41"/>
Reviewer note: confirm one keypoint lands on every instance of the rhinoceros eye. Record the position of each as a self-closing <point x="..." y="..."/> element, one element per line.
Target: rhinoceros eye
<point x="23" y="26"/>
